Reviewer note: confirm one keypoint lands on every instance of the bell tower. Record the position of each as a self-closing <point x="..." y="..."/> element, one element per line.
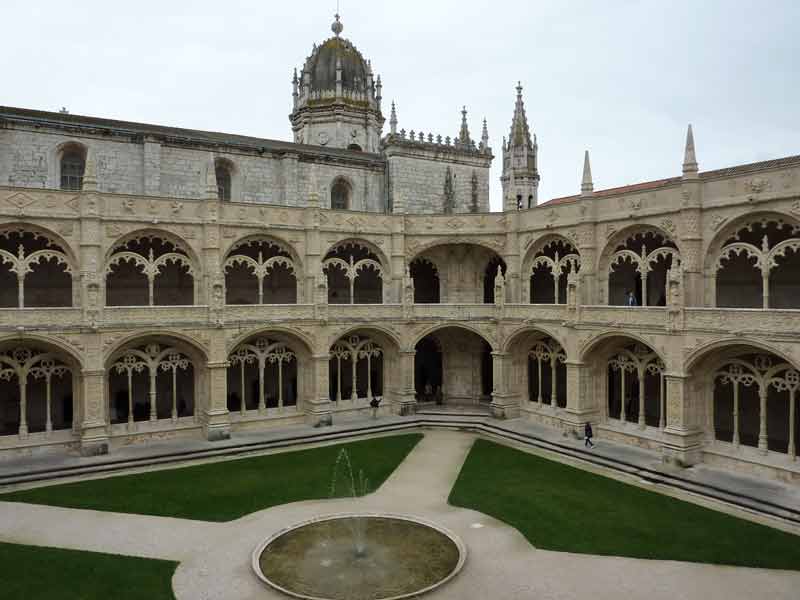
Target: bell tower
<point x="520" y="177"/>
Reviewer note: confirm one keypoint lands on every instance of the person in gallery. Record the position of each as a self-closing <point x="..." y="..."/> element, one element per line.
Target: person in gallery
<point x="587" y="435"/>
<point x="631" y="298"/>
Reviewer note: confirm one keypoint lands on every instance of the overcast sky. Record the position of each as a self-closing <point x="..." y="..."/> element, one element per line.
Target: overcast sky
<point x="620" y="78"/>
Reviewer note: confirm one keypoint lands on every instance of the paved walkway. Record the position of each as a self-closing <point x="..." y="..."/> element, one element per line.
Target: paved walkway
<point x="501" y="564"/>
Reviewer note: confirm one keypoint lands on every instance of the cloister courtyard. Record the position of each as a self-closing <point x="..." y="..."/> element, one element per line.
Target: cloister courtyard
<point x="540" y="515"/>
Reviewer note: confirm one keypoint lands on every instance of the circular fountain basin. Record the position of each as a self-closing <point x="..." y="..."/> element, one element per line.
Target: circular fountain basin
<point x="359" y="557"/>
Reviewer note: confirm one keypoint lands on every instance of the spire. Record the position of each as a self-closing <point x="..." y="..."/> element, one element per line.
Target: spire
<point x="484" y="136"/>
<point x="587" y="187"/>
<point x="337" y="26"/>
<point x="393" y="121"/>
<point x="520" y="133"/>
<point x="689" y="157"/>
<point x="294" y="88"/>
<point x="463" y="135"/>
<point x="378" y="92"/>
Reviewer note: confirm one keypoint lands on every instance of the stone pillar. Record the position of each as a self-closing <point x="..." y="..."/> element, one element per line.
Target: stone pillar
<point x="406" y="400"/>
<point x="505" y="405"/>
<point x="217" y="418"/>
<point x="94" y="404"/>
<point x="682" y="438"/>
<point x="581" y="405"/>
<point x="319" y="409"/>
<point x="289" y="163"/>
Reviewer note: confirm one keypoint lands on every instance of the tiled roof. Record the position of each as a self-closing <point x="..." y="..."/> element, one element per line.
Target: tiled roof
<point x="189" y="135"/>
<point x="775" y="163"/>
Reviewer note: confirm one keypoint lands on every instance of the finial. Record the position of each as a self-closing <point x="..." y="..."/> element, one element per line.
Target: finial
<point x="337" y="26"/>
<point x="587" y="187"/>
<point x="393" y="120"/>
<point x="484" y="135"/>
<point x="519" y="89"/>
<point x="689" y="157"/>
<point x="463" y="135"/>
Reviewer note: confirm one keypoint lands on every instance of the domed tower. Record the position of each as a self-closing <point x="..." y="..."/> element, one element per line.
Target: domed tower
<point x="336" y="101"/>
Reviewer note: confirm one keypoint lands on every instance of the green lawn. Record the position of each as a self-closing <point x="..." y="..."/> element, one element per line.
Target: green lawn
<point x="557" y="507"/>
<point x="37" y="573"/>
<point x="229" y="489"/>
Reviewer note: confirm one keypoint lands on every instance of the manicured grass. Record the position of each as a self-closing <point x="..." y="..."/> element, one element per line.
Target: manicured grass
<point x="558" y="507"/>
<point x="38" y="573"/>
<point x="227" y="490"/>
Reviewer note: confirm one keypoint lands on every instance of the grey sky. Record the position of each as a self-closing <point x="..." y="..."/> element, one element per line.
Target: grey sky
<point x="621" y="78"/>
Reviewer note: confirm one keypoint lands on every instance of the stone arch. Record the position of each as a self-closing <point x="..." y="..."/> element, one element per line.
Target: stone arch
<point x="175" y="256"/>
<point x="463" y="268"/>
<point x="40" y="387"/>
<point x="627" y="375"/>
<point x="256" y="261"/>
<point x="363" y="365"/>
<point x="384" y="333"/>
<point x="434" y="328"/>
<point x="709" y="349"/>
<point x="540" y="263"/>
<point x="465" y="365"/>
<point x="748" y="395"/>
<point x="357" y="272"/>
<point x="371" y="246"/>
<point x="270" y="372"/>
<point x="305" y="341"/>
<point x="152" y="377"/>
<point x="271" y="238"/>
<point x="538" y="373"/>
<point x="514" y="336"/>
<point x="38" y="267"/>
<point x="754" y="262"/>
<point x="421" y="248"/>
<point x="630" y="264"/>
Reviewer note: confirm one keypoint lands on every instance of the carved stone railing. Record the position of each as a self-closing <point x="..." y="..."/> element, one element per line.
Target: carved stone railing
<point x="268" y="312"/>
<point x="650" y="316"/>
<point x="454" y="312"/>
<point x="155" y="315"/>
<point x="743" y="320"/>
<point x="40" y="318"/>
<point x="536" y="312"/>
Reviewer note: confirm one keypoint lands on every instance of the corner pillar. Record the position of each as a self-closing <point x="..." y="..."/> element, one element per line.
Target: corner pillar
<point x="319" y="409"/>
<point x="505" y="404"/>
<point x="682" y="444"/>
<point x="406" y="400"/>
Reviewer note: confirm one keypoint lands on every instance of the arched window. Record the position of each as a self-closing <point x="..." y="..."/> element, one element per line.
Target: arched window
<point x="73" y="163"/>
<point x="223" y="171"/>
<point x="355" y="147"/>
<point x="340" y="195"/>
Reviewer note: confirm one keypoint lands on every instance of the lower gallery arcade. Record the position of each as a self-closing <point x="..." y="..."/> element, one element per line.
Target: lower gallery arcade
<point x="741" y="398"/>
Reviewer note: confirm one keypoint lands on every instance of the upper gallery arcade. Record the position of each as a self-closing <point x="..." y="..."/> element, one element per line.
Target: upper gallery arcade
<point x="172" y="282"/>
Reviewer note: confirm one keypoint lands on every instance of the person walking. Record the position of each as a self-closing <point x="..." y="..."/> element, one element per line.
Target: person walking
<point x="587" y="434"/>
<point x="631" y="298"/>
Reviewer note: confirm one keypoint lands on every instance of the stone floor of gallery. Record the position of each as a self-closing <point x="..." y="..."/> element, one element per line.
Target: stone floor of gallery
<point x="533" y="525"/>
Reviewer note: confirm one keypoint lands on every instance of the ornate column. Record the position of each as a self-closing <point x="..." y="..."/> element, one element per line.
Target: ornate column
<point x="682" y="437"/>
<point x="319" y="412"/>
<point x="504" y="405"/>
<point x="641" y="398"/>
<point x="762" y="416"/>
<point x="92" y="398"/>
<point x="407" y="395"/>
<point x="582" y="405"/>
<point x="217" y="419"/>
<point x="152" y="394"/>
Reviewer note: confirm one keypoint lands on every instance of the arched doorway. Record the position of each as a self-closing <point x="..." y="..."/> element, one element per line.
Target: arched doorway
<point x="460" y="361"/>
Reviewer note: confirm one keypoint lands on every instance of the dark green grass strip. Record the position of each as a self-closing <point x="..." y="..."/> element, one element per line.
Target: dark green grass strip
<point x="38" y="573"/>
<point x="227" y="490"/>
<point x="558" y="507"/>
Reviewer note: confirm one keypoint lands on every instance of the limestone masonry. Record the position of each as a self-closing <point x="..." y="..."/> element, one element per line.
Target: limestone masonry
<point x="161" y="282"/>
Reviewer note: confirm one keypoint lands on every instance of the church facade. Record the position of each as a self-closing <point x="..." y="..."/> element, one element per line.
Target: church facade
<point x="164" y="282"/>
